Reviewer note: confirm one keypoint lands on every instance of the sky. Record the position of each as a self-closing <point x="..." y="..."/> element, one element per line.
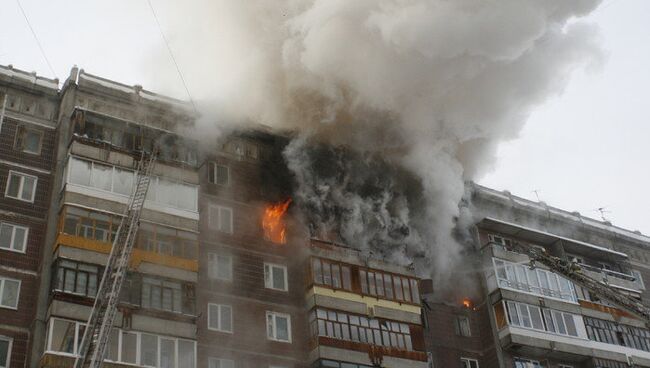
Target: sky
<point x="584" y="149"/>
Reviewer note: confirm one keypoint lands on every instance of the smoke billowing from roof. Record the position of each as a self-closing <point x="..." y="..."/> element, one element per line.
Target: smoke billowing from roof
<point x="428" y="88"/>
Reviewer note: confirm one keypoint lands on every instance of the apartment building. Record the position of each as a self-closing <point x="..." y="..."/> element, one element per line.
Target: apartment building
<point x="536" y="317"/>
<point x="103" y="128"/>
<point x="28" y="109"/>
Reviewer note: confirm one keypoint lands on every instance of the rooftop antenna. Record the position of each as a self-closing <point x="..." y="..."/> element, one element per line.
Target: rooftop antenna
<point x="603" y="210"/>
<point x="537" y="191"/>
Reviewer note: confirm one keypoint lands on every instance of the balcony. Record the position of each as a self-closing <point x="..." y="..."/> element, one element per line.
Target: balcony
<point x="613" y="278"/>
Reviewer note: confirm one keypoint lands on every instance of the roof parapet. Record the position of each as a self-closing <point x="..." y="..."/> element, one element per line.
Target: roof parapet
<point x="32" y="78"/>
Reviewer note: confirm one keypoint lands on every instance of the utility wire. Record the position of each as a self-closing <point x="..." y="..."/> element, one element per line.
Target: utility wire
<point x="171" y="54"/>
<point x="47" y="61"/>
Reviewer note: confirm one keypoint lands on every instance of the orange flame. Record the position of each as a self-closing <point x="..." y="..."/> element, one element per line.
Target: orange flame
<point x="274" y="228"/>
<point x="467" y="303"/>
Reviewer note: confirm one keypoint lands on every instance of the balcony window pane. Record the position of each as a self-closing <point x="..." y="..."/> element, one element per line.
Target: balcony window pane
<point x="397" y="283"/>
<point x="102" y="176"/>
<point x="129" y="347"/>
<point x="388" y="285"/>
<point x="407" y="289"/>
<point x="336" y="276"/>
<point x="82" y="282"/>
<point x="345" y="274"/>
<point x="327" y="273"/>
<point x="113" y="345"/>
<point x="80" y="172"/>
<point x="570" y="324"/>
<point x="371" y="284"/>
<point x="316" y="270"/>
<point x="186" y="356"/>
<point x="363" y="278"/>
<point x="123" y="181"/>
<point x="149" y="350"/>
<point x="167" y="353"/>
<point x="379" y="280"/>
<point x="536" y="318"/>
<point x="63" y="336"/>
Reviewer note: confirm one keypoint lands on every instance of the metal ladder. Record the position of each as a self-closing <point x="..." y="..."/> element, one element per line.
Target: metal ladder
<point x="100" y="323"/>
<point x="573" y="272"/>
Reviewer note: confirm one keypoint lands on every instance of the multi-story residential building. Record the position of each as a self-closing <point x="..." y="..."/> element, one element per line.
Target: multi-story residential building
<point x="103" y="128"/>
<point x="538" y="318"/>
<point x="28" y="110"/>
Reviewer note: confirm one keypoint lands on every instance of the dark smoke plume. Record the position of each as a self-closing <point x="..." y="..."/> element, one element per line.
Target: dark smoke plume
<point x="418" y="92"/>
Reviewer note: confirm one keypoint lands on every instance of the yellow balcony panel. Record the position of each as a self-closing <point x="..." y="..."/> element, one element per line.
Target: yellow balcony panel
<point x="371" y="302"/>
<point x="137" y="257"/>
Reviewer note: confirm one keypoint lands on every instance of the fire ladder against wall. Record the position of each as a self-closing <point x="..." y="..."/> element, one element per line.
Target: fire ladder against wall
<point x="573" y="272"/>
<point x="96" y="335"/>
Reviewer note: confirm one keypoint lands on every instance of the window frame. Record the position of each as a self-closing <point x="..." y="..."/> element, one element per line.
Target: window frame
<point x="78" y="336"/>
<point x="459" y="326"/>
<point x="22" y="177"/>
<point x="220" y="327"/>
<point x="13" y="236"/>
<point x="218" y="208"/>
<point x="213" y="167"/>
<point x="220" y="360"/>
<point x="213" y="266"/>
<point x="10" y="342"/>
<point x="274" y="316"/>
<point x="469" y="362"/>
<point x="285" y="275"/>
<point x="546" y="279"/>
<point x="2" y="289"/>
<point x="59" y="267"/>
<point x="24" y="129"/>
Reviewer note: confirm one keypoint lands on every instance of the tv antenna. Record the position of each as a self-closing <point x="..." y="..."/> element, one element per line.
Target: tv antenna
<point x="603" y="210"/>
<point x="537" y="191"/>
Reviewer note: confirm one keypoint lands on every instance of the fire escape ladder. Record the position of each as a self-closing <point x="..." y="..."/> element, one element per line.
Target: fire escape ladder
<point x="96" y="335"/>
<point x="573" y="272"/>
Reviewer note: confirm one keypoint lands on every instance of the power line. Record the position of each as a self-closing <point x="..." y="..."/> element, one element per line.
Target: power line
<point x="171" y="54"/>
<point x="47" y="61"/>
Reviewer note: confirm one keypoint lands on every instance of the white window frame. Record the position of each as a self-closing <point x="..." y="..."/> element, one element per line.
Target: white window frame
<point x="2" y="289"/>
<point x="215" y="209"/>
<point x="10" y="341"/>
<point x="268" y="281"/>
<point x="550" y="277"/>
<point x="213" y="266"/>
<point x="220" y="328"/>
<point x="469" y="361"/>
<point x="492" y="238"/>
<point x="13" y="237"/>
<point x="213" y="166"/>
<point x="20" y="187"/>
<point x="220" y="360"/>
<point x="273" y="336"/>
<point x="138" y="347"/>
<point x="458" y="320"/>
<point x="534" y="363"/>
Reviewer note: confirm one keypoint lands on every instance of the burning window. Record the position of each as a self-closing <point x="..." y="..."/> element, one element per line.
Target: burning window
<point x="273" y="223"/>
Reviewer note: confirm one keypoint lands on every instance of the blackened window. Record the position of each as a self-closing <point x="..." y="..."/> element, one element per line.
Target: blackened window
<point x="218" y="174"/>
<point x="76" y="278"/>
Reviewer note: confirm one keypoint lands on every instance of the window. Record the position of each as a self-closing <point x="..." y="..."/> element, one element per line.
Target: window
<point x="9" y="293"/>
<point x="219" y="267"/>
<point x="28" y="140"/>
<point x="120" y="181"/>
<point x="537" y="281"/>
<point x="498" y="239"/>
<point x="13" y="237"/>
<point x="617" y="334"/>
<point x="21" y="186"/>
<point x="131" y="347"/>
<point x="526" y="363"/>
<point x="330" y="273"/>
<point x="218" y="174"/>
<point x="220" y="317"/>
<point x="275" y="277"/>
<point x="161" y="294"/>
<point x="220" y="218"/>
<point x="468" y="363"/>
<point x="77" y="278"/>
<point x="542" y="319"/>
<point x="5" y="351"/>
<point x="278" y="326"/>
<point x="357" y="328"/>
<point x="389" y="286"/>
<point x="220" y="363"/>
<point x="638" y="278"/>
<point x="462" y="326"/>
<point x="326" y="363"/>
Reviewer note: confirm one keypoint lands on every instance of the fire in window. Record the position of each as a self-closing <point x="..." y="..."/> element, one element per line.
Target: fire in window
<point x="273" y="222"/>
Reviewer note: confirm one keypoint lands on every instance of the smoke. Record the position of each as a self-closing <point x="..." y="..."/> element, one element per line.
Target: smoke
<point x="421" y="89"/>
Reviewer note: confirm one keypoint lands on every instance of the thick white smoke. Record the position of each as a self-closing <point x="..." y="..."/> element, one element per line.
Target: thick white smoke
<point x="432" y="85"/>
